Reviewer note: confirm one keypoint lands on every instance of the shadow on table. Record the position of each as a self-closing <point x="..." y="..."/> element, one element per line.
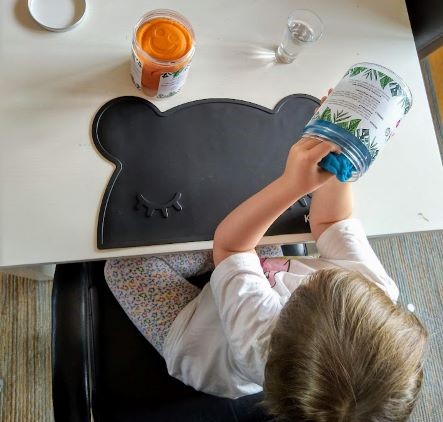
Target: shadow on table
<point x="77" y="86"/>
<point x="24" y="18"/>
<point x="108" y="80"/>
<point x="253" y="53"/>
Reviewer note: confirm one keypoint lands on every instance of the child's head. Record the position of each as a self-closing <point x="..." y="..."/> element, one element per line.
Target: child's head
<point x="342" y="351"/>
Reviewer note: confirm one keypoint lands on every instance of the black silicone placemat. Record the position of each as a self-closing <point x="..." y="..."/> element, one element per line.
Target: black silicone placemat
<point x="178" y="173"/>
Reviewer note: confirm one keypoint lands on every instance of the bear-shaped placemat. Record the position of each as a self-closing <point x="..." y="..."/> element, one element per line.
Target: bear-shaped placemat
<point x="180" y="172"/>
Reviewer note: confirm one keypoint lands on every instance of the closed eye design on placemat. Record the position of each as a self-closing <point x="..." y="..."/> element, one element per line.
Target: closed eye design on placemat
<point x="151" y="207"/>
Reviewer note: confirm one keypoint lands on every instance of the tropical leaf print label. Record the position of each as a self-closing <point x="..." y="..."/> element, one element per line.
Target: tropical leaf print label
<point x="136" y="70"/>
<point x="171" y="82"/>
<point x="369" y="102"/>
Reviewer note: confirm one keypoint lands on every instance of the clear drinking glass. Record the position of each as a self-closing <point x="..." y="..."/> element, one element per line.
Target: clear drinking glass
<point x="303" y="28"/>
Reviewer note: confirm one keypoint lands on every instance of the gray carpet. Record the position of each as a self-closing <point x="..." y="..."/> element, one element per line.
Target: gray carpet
<point x="25" y="358"/>
<point x="415" y="262"/>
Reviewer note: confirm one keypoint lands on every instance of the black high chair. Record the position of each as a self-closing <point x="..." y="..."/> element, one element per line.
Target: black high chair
<point x="102" y="366"/>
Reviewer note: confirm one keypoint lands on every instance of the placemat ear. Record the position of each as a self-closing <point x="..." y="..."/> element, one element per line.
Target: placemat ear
<point x="293" y="110"/>
<point x="116" y="129"/>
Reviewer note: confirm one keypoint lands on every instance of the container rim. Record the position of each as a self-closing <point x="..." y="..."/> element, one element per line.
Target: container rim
<point x="357" y="153"/>
<point x="173" y="16"/>
<point x="320" y="20"/>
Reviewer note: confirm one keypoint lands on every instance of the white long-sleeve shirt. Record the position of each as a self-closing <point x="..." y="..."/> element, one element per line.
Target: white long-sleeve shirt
<point x="219" y="342"/>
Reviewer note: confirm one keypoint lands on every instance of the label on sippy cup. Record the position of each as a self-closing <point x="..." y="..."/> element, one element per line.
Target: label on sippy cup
<point x="369" y="103"/>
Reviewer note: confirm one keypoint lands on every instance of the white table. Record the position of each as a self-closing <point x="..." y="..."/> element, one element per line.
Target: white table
<point x="52" y="179"/>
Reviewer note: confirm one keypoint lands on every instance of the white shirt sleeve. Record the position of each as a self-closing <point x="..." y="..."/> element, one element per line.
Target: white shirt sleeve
<point x="248" y="309"/>
<point x="345" y="244"/>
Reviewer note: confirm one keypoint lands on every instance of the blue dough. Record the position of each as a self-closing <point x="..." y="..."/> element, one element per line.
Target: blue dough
<point x="339" y="165"/>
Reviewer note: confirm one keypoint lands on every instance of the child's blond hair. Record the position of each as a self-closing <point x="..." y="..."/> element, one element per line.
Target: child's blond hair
<point x="342" y="351"/>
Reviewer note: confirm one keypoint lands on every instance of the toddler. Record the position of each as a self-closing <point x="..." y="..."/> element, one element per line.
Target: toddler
<point x="322" y="336"/>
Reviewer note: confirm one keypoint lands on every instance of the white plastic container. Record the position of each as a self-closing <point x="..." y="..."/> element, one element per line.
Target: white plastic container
<point x="362" y="113"/>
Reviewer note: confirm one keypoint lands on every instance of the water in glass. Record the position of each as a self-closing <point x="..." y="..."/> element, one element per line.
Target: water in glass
<point x="297" y="34"/>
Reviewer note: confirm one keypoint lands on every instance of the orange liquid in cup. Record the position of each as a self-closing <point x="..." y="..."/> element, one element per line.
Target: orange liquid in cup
<point x="166" y="44"/>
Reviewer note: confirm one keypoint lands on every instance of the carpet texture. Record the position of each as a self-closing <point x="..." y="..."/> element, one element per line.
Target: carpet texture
<point x="25" y="354"/>
<point x="415" y="262"/>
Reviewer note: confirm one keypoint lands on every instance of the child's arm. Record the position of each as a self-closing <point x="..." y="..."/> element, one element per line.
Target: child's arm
<point x="332" y="202"/>
<point x="243" y="228"/>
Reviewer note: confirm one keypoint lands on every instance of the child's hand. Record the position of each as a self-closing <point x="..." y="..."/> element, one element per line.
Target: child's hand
<point x="302" y="172"/>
